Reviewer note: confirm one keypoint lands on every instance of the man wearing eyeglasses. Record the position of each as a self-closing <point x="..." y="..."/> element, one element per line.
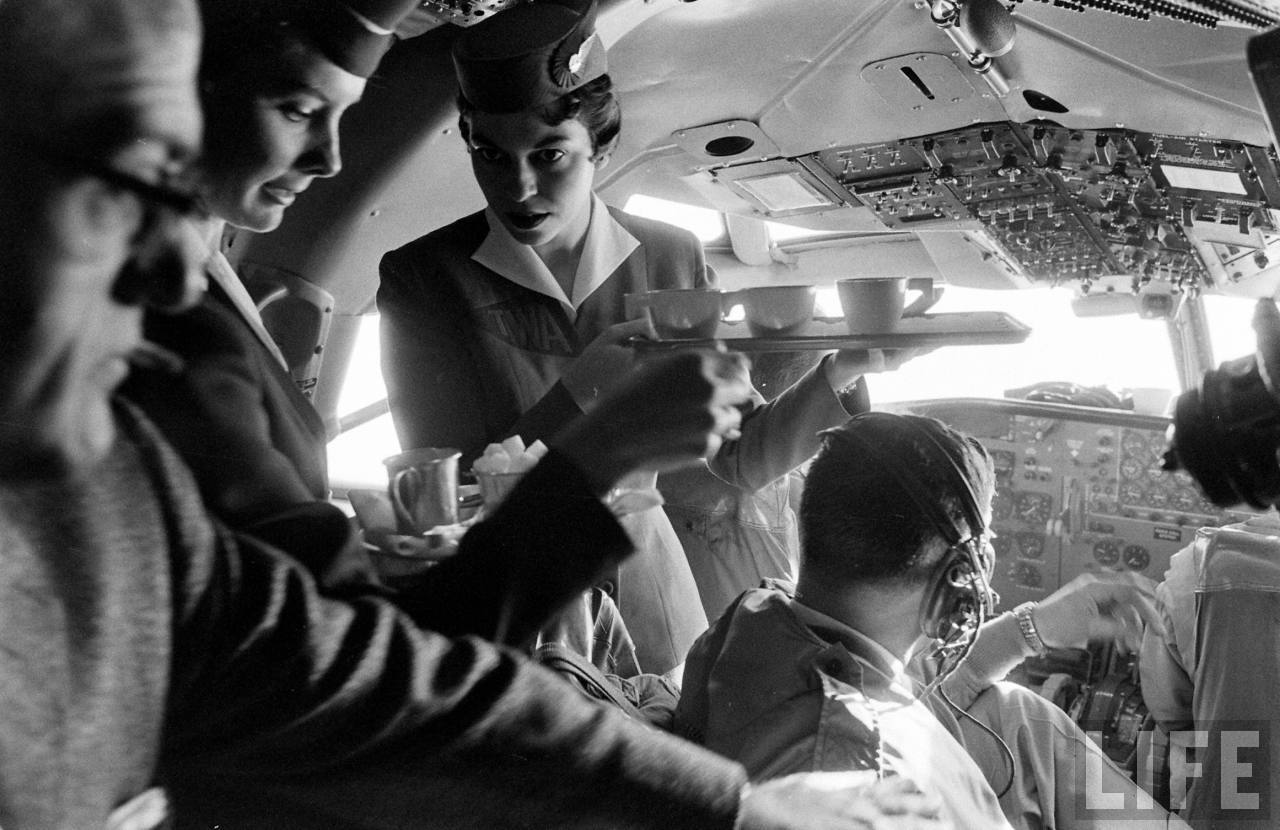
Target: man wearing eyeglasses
<point x="140" y="643"/>
<point x="67" y="166"/>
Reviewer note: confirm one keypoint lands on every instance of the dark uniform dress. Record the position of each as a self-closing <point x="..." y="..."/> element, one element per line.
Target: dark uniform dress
<point x="254" y="442"/>
<point x="471" y="357"/>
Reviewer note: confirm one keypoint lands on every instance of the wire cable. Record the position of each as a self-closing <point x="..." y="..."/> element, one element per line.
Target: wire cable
<point x="1004" y="747"/>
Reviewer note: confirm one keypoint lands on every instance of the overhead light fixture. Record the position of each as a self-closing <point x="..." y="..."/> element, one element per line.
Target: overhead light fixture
<point x="784" y="193"/>
<point x="781" y="187"/>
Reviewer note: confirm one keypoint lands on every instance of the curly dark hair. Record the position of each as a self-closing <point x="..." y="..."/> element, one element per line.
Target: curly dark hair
<point x="858" y="524"/>
<point x="594" y="104"/>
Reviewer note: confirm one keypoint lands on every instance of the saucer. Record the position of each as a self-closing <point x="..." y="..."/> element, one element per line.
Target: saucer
<point x="434" y="545"/>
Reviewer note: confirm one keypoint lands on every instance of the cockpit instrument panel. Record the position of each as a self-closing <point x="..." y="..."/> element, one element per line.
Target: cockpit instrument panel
<point x="1078" y="489"/>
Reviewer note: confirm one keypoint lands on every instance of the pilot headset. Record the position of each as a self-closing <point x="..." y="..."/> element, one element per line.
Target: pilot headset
<point x="958" y="597"/>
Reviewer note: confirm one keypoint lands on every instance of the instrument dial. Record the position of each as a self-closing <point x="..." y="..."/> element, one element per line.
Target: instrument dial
<point x="1033" y="508"/>
<point x="1136" y="557"/>
<point x="1107" y="552"/>
<point x="1134" y="444"/>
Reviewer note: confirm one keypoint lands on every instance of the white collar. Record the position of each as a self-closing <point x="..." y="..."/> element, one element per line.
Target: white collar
<point x="607" y="246"/>
<point x="221" y="272"/>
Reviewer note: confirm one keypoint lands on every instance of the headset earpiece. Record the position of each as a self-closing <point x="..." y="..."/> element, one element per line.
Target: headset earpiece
<point x="953" y="599"/>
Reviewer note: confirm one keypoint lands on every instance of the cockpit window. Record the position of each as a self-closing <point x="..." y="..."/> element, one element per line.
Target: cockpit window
<point x="1230" y="326"/>
<point x="1120" y="352"/>
<point x="355" y="456"/>
<point x="708" y="225"/>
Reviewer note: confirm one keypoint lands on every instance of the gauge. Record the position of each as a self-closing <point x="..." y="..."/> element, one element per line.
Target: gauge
<point x="1136" y="557"/>
<point x="1158" y="497"/>
<point x="1156" y="475"/>
<point x="1185" y="500"/>
<point x="1107" y="552"/>
<point x="1003" y="547"/>
<point x="1132" y="494"/>
<point x="1033" y="508"/>
<point x="1131" y="468"/>
<point x="1134" y="444"/>
<point x="1031" y="545"/>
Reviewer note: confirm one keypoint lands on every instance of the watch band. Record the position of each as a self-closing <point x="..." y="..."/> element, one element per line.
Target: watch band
<point x="1027" y="625"/>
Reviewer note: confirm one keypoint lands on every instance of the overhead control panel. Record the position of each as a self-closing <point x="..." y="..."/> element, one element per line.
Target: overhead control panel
<point x="1078" y="490"/>
<point x="1059" y="204"/>
<point x="1068" y="204"/>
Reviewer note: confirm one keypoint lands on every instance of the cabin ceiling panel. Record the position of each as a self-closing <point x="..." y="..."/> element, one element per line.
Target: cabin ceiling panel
<point x="715" y="60"/>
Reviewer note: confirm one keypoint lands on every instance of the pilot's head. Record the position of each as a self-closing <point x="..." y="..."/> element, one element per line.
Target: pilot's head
<point x="538" y="113"/>
<point x="276" y="77"/>
<point x="877" y="493"/>
<point x="100" y="120"/>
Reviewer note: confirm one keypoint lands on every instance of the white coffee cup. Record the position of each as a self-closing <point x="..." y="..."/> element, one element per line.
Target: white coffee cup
<point x="874" y="305"/>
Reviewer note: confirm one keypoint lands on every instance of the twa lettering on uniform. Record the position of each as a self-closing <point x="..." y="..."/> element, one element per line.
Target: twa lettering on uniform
<point x="531" y="327"/>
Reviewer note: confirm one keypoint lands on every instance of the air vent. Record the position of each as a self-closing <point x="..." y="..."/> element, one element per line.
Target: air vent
<point x="729" y="145"/>
<point x="1042" y="102"/>
<point x="726" y="142"/>
<point x="920" y="81"/>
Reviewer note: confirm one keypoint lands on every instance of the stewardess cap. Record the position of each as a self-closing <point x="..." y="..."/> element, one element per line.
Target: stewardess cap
<point x="529" y="55"/>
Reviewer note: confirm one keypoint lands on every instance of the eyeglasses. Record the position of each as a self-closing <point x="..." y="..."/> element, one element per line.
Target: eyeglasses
<point x="159" y="200"/>
<point x="181" y="202"/>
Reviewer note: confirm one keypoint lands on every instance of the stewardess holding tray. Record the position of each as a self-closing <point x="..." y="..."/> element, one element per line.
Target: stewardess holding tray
<point x="511" y="321"/>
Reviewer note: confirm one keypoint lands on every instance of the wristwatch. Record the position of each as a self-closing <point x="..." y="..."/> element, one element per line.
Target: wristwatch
<point x="1027" y="625"/>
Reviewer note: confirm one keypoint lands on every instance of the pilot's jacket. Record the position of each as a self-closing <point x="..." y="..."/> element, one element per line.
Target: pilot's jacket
<point x="784" y="688"/>
<point x="140" y="642"/>
<point x="471" y="356"/>
<point x="765" y="689"/>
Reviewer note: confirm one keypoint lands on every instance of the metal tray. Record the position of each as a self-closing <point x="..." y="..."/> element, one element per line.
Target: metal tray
<point x="963" y="328"/>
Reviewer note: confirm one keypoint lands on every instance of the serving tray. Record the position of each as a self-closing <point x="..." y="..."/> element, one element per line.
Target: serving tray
<point x="961" y="328"/>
